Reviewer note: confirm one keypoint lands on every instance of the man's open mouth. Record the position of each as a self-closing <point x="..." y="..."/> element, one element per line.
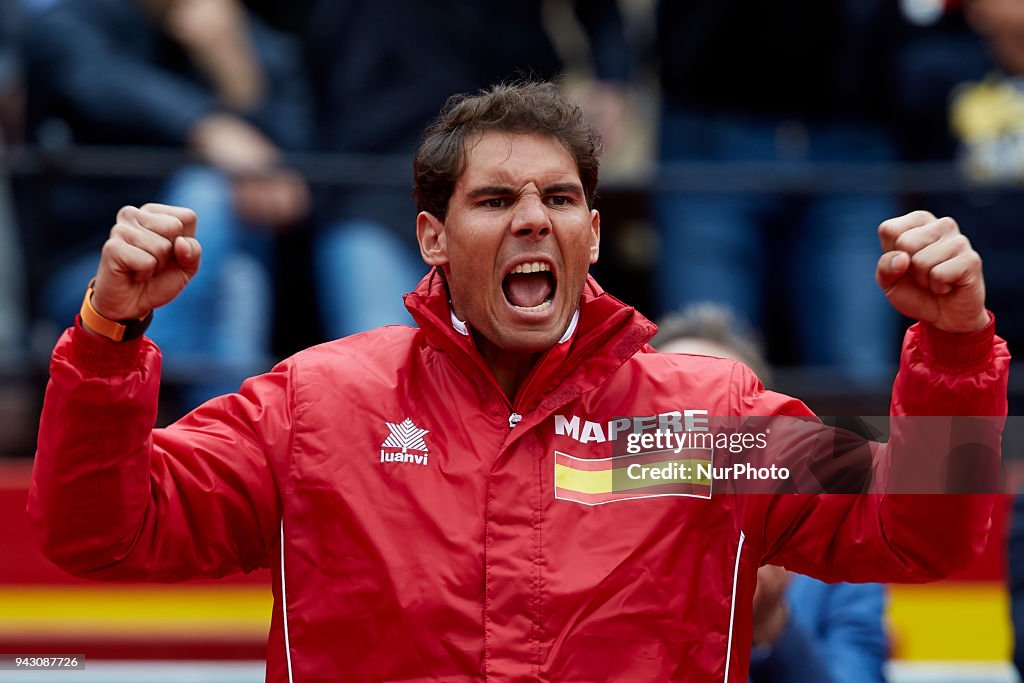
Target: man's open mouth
<point x="530" y="286"/>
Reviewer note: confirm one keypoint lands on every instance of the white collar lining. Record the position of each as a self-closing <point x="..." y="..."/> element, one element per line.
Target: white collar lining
<point x="461" y="327"/>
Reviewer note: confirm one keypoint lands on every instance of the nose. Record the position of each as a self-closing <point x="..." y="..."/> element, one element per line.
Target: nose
<point x="530" y="218"/>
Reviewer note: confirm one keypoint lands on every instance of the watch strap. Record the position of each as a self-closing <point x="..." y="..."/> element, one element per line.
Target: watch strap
<point x="116" y="330"/>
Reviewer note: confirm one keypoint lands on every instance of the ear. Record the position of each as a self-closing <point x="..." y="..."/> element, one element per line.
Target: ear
<point x="595" y="235"/>
<point x="433" y="242"/>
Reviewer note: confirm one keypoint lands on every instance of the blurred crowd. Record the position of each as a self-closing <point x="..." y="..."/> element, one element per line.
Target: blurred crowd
<point x="245" y="90"/>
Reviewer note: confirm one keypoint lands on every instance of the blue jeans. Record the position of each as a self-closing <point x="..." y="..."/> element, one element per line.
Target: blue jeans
<point x="714" y="246"/>
<point x="217" y="331"/>
<point x="362" y="270"/>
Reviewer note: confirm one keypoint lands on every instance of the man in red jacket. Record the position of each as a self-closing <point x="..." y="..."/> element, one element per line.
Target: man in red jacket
<point x="463" y="501"/>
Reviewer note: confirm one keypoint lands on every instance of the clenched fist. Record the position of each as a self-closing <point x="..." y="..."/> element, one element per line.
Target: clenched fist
<point x="929" y="272"/>
<point x="150" y="256"/>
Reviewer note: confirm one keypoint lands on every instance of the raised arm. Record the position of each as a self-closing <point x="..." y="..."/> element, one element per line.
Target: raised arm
<point x="114" y="498"/>
<point x="952" y="366"/>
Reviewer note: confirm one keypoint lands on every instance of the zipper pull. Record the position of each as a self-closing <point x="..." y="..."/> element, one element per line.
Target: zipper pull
<point x="514" y="419"/>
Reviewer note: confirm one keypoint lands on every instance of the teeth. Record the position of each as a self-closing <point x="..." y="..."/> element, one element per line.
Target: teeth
<point x="534" y="309"/>
<point x="532" y="267"/>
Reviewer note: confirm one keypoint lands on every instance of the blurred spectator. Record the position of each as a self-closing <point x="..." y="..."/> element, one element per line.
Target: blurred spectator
<point x="780" y="82"/>
<point x="383" y="70"/>
<point x="710" y="329"/>
<point x="962" y="97"/>
<point x="806" y="630"/>
<point x="12" y="290"/>
<point x="803" y="629"/>
<point x="291" y="17"/>
<point x="199" y="74"/>
<point x="11" y="95"/>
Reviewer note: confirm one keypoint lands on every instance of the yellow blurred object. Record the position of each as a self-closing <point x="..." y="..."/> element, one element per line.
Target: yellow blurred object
<point x="132" y="612"/>
<point x="950" y="621"/>
<point x="988" y="118"/>
<point x="987" y="110"/>
<point x="935" y="622"/>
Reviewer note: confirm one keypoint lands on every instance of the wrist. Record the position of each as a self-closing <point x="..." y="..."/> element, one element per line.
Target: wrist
<point x="958" y="350"/>
<point x="980" y="322"/>
<point x="116" y="330"/>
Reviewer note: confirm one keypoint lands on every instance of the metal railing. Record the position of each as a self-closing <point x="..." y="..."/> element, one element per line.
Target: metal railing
<point x="395" y="171"/>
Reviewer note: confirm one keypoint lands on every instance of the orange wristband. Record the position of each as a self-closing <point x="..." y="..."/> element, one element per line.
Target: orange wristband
<point x="116" y="330"/>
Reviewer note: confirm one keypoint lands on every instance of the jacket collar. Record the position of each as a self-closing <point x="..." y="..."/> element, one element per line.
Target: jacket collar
<point x="608" y="333"/>
<point x="463" y="329"/>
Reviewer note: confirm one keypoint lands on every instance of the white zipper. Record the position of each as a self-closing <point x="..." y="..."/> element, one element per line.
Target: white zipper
<point x="284" y="609"/>
<point x="732" y="610"/>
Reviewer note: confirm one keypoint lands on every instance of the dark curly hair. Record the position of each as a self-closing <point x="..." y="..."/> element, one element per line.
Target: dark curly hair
<point x="520" y="107"/>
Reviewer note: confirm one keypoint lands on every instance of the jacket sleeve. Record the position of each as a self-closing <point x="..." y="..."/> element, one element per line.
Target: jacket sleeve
<point x="853" y="638"/>
<point x="114" y="498"/>
<point x="610" y="51"/>
<point x="886" y="535"/>
<point x="286" y="112"/>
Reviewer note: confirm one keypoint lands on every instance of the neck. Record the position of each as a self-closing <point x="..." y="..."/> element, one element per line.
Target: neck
<point x="509" y="368"/>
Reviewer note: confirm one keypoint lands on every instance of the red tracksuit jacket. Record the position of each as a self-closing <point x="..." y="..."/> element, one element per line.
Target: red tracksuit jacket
<point x="415" y="519"/>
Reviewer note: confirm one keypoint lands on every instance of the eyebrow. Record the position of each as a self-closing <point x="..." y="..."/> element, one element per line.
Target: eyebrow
<point x="491" y="190"/>
<point x="564" y="188"/>
<point x="503" y="190"/>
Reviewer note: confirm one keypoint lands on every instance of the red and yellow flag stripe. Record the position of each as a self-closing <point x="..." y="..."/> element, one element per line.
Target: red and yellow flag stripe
<point x="594" y="481"/>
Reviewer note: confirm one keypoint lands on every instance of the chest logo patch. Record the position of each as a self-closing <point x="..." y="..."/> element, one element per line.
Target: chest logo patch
<point x="652" y="474"/>
<point x="405" y="444"/>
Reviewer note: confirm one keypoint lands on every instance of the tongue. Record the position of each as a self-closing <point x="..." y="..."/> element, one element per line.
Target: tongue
<point x="527" y="289"/>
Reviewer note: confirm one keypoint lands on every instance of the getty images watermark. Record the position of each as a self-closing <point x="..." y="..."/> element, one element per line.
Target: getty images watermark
<point x="687" y="455"/>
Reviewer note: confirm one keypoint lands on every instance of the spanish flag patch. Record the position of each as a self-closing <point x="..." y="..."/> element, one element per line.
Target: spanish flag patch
<point x="595" y="481"/>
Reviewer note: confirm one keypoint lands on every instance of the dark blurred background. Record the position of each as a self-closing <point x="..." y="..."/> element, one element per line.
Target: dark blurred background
<point x="751" y="151"/>
<point x="752" y="148"/>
